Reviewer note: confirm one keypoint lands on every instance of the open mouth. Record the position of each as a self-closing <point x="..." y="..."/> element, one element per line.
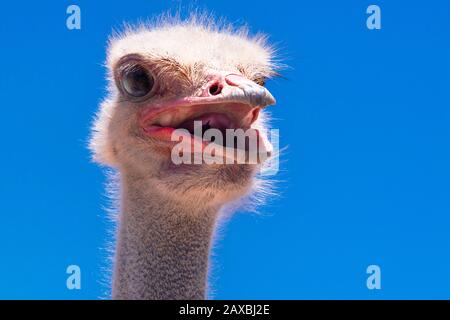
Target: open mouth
<point x="218" y="115"/>
<point x="234" y="139"/>
<point x="217" y="127"/>
<point x="197" y="119"/>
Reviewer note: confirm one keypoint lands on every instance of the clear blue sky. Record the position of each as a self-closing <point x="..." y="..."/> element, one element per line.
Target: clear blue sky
<point x="365" y="179"/>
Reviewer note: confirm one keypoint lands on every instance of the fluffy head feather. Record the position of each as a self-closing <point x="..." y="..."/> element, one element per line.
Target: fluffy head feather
<point x="196" y="42"/>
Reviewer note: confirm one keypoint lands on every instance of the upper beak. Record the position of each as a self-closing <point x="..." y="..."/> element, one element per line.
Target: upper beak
<point x="237" y="88"/>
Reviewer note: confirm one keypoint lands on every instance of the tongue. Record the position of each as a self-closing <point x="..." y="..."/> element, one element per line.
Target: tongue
<point x="210" y="120"/>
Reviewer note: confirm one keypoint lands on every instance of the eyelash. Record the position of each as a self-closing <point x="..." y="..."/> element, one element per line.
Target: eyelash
<point x="261" y="81"/>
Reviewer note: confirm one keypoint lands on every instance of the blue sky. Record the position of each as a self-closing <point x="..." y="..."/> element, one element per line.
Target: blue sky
<point x="365" y="178"/>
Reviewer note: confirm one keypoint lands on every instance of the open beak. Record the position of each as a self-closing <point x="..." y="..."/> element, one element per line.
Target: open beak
<point x="233" y="95"/>
<point x="225" y="102"/>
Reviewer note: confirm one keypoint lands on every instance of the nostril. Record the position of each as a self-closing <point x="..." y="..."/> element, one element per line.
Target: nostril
<point x="215" y="89"/>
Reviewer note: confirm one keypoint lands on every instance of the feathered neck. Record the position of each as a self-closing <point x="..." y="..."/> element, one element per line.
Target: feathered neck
<point x="162" y="247"/>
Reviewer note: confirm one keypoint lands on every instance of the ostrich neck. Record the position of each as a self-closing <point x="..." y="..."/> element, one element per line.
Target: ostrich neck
<point x="162" y="247"/>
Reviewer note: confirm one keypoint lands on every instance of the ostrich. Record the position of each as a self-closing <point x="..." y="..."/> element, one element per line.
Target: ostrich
<point x="162" y="78"/>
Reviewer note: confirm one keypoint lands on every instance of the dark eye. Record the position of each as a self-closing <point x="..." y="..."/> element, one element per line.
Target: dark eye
<point x="260" y="80"/>
<point x="137" y="81"/>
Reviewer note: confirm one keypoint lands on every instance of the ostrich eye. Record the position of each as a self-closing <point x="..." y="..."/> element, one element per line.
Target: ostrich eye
<point x="260" y="80"/>
<point x="137" y="81"/>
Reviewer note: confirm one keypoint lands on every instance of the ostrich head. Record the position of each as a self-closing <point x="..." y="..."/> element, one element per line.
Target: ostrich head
<point x="166" y="77"/>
